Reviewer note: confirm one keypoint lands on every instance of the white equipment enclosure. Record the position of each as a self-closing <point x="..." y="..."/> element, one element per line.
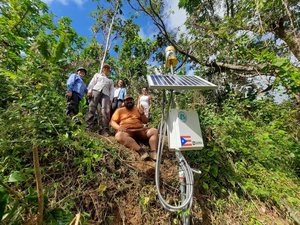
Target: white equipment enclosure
<point x="184" y="132"/>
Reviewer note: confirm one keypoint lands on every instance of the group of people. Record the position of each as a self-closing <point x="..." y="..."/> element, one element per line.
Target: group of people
<point x="117" y="108"/>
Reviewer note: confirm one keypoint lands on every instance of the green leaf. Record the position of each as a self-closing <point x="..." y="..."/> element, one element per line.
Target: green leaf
<point x="210" y="153"/>
<point x="3" y="202"/>
<point x="43" y="47"/>
<point x="279" y="62"/>
<point x="216" y="148"/>
<point x="11" y="212"/>
<point x="230" y="150"/>
<point x="56" y="216"/>
<point x="205" y="185"/>
<point x="60" y="47"/>
<point x="30" y="190"/>
<point x="15" y="177"/>
<point x="101" y="189"/>
<point x="57" y="213"/>
<point x="9" y="74"/>
<point x="214" y="172"/>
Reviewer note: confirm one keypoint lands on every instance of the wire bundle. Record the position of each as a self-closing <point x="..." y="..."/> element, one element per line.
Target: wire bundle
<point x="187" y="200"/>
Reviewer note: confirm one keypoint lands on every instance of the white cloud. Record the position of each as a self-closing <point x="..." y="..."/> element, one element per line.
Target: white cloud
<point x="176" y="19"/>
<point x="79" y="2"/>
<point x="48" y="2"/>
<point x="191" y="72"/>
<point x="147" y="31"/>
<point x="66" y="2"/>
<point x="142" y="33"/>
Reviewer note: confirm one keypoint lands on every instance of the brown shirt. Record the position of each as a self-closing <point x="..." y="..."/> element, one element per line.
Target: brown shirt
<point x="128" y="118"/>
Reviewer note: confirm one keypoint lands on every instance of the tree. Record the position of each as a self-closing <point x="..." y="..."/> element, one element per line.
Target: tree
<point x="105" y="22"/>
<point x="247" y="39"/>
<point x="35" y="58"/>
<point x="132" y="61"/>
<point x="20" y="23"/>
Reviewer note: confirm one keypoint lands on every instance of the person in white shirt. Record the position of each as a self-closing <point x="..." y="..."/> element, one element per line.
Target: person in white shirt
<point x="145" y="101"/>
<point x="119" y="94"/>
<point x="100" y="90"/>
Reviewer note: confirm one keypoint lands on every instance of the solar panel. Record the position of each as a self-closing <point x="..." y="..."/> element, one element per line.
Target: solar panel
<point x="178" y="82"/>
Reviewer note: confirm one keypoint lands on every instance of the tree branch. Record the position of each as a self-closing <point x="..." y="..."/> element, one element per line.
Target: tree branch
<point x="12" y="191"/>
<point x="38" y="176"/>
<point x="227" y="66"/>
<point x="178" y="67"/>
<point x="22" y="18"/>
<point x="161" y="26"/>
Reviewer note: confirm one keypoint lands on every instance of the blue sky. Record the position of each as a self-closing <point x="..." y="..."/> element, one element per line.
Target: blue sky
<point x="78" y="11"/>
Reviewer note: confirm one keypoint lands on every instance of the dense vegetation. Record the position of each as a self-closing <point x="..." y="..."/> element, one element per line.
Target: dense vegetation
<point x="251" y="161"/>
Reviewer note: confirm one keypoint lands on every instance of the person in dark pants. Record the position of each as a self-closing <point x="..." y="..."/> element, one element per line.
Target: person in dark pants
<point x="119" y="93"/>
<point x="100" y="90"/>
<point x="75" y="91"/>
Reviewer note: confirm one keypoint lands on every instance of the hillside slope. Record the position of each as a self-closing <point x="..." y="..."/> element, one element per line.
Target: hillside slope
<point x="250" y="168"/>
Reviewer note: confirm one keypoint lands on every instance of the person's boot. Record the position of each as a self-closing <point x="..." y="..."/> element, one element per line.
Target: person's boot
<point x="70" y="114"/>
<point x="88" y="130"/>
<point x="105" y="133"/>
<point x="153" y="154"/>
<point x="144" y="155"/>
<point x="77" y="121"/>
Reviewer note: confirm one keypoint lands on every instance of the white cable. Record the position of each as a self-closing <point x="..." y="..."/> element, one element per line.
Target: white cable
<point x="188" y="173"/>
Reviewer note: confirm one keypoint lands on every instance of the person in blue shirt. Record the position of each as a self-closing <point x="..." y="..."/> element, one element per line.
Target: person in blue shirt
<point x="119" y="93"/>
<point x="75" y="91"/>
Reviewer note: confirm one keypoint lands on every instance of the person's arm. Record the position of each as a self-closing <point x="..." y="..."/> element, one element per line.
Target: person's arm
<point x="125" y="93"/>
<point x="117" y="126"/>
<point x="112" y="91"/>
<point x="144" y="119"/>
<point x="114" y="122"/>
<point x="150" y="102"/>
<point x="70" y="85"/>
<point x="91" y="85"/>
<point x="138" y="104"/>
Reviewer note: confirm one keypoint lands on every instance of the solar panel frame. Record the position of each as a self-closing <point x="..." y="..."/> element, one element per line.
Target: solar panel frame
<point x="179" y="82"/>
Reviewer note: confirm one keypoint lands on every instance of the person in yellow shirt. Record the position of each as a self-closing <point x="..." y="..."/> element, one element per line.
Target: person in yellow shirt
<point x="128" y="122"/>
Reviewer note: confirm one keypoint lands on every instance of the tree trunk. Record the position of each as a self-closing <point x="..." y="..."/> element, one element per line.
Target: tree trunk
<point x="108" y="37"/>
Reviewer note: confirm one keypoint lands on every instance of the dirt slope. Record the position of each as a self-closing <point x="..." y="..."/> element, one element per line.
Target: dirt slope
<point x="122" y="191"/>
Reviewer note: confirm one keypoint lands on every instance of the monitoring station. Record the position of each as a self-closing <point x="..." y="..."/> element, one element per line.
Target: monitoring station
<point x="183" y="131"/>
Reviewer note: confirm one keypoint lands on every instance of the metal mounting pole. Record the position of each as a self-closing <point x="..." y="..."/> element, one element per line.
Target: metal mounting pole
<point x="185" y="172"/>
<point x="182" y="187"/>
<point x="179" y="156"/>
<point x="172" y="72"/>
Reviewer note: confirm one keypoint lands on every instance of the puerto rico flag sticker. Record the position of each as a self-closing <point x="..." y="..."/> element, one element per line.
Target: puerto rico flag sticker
<point x="186" y="140"/>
